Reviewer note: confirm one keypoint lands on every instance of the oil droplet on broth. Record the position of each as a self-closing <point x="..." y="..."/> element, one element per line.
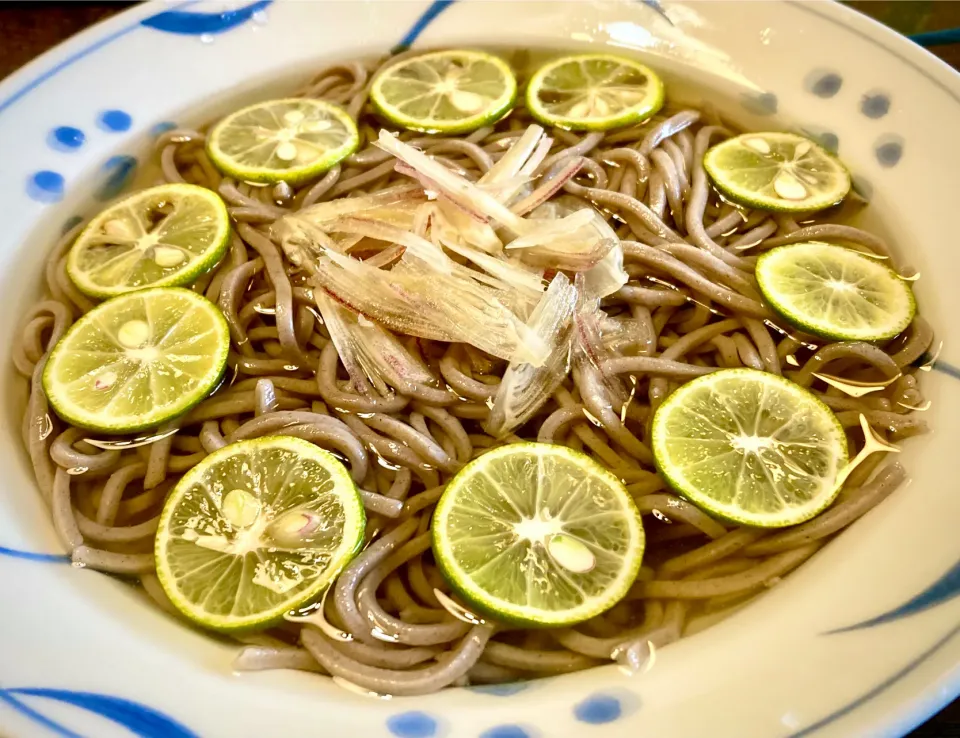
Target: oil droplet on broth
<point x="787" y="334"/>
<point x="77" y="471"/>
<point x="635" y="657"/>
<point x="130" y="442"/>
<point x="314" y="615"/>
<point x="853" y="387"/>
<point x="661" y="517"/>
<point x="383" y="461"/>
<point x="44" y="426"/>
<point x="456" y="609"/>
<point x="592" y="418"/>
<point x="381" y="635"/>
<point x="357" y="689"/>
<point x="872" y="443"/>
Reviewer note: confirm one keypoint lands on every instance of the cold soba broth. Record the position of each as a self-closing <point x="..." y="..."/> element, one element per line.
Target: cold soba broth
<point x="464" y="366"/>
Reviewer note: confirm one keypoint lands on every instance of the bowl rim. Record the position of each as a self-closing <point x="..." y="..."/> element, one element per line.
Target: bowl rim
<point x="906" y="712"/>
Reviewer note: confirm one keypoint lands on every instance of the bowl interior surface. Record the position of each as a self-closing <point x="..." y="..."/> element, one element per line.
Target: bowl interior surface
<point x="798" y="661"/>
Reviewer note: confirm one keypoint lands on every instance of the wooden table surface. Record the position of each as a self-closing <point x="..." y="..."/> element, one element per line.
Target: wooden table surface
<point x="27" y="29"/>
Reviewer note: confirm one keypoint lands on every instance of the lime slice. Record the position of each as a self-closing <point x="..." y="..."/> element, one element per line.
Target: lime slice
<point x="835" y="292"/>
<point x="537" y="534"/>
<point x="750" y="447"/>
<point x="445" y="91"/>
<point x="292" y="141"/>
<point x="255" y="530"/>
<point x="593" y="92"/>
<point x="137" y="360"/>
<point x="161" y="237"/>
<point x="777" y="171"/>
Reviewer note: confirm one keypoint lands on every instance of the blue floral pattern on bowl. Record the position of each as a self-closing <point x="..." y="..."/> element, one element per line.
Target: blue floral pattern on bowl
<point x="140" y="720"/>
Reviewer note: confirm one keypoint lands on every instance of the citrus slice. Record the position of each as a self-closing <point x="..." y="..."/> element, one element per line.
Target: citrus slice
<point x="593" y="92"/>
<point x="835" y="292"/>
<point x="161" y="237"/>
<point x="256" y="529"/>
<point x="445" y="91"/>
<point x="750" y="447"/>
<point x="292" y="140"/>
<point x="537" y="534"/>
<point x="137" y="360"/>
<point x="777" y="171"/>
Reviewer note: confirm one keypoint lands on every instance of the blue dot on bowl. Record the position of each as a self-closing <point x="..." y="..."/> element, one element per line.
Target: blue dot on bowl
<point x="162" y="127"/>
<point x="862" y="187"/>
<point x="824" y="84"/>
<point x="829" y="140"/>
<point x="45" y="186"/>
<point x="500" y="690"/>
<point x="598" y="709"/>
<point x="66" y="138"/>
<point x="118" y="172"/>
<point x="115" y="121"/>
<point x="506" y="731"/>
<point x="763" y="104"/>
<point x="875" y="105"/>
<point x="72" y="222"/>
<point x="412" y="725"/>
<point x="888" y="150"/>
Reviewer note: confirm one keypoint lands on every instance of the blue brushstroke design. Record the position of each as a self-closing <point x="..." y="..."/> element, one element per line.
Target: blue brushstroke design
<point x="949" y="369"/>
<point x="27" y="711"/>
<point x="198" y="24"/>
<point x="945" y="588"/>
<point x="30" y="556"/>
<point x="429" y="15"/>
<point x="119" y="171"/>
<point x="944" y="37"/>
<point x="883" y="686"/>
<point x="140" y="720"/>
<point x="655" y="5"/>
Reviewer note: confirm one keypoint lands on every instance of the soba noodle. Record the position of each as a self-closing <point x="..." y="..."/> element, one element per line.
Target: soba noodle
<point x="386" y="626"/>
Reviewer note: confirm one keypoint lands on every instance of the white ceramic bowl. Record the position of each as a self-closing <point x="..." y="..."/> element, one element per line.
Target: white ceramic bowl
<point x="860" y="641"/>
